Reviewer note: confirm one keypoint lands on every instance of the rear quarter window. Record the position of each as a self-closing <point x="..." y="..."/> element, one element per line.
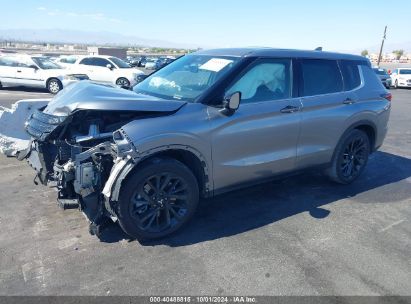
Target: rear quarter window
<point x="351" y="74"/>
<point x="320" y="77"/>
<point x="7" y="61"/>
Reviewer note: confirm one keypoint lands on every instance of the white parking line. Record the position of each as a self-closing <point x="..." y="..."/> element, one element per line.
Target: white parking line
<point x="392" y="225"/>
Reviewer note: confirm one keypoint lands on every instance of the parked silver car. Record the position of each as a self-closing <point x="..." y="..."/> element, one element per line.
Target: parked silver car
<point x="382" y="74"/>
<point x="207" y="123"/>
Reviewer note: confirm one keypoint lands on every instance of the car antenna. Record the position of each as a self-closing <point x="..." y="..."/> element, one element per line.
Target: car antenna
<point x="320" y="48"/>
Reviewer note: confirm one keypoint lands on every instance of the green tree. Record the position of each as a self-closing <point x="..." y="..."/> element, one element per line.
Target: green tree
<point x="364" y="53"/>
<point x="398" y="53"/>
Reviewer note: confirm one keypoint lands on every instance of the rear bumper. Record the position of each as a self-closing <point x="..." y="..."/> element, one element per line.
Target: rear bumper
<point x="386" y="82"/>
<point x="382" y="127"/>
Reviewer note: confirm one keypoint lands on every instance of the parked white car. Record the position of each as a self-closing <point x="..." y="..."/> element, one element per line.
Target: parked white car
<point x="401" y="77"/>
<point x="106" y="69"/>
<point x="35" y="72"/>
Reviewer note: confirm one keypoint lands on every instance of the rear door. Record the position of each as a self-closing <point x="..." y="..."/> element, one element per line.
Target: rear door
<point x="8" y="71"/>
<point x="260" y="139"/>
<point x="324" y="110"/>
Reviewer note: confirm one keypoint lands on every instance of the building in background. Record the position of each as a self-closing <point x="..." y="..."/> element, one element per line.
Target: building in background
<point x="116" y="52"/>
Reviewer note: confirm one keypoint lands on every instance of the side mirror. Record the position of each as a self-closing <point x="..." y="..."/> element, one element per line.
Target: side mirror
<point x="109" y="66"/>
<point x="35" y="67"/>
<point x="141" y="77"/>
<point x="231" y="103"/>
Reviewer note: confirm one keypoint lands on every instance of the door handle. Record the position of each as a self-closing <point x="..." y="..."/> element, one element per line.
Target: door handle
<point x="290" y="109"/>
<point x="348" y="101"/>
<point x="18" y="71"/>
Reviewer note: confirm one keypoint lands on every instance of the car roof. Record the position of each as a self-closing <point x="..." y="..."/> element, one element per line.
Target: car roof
<point x="273" y="52"/>
<point x="98" y="56"/>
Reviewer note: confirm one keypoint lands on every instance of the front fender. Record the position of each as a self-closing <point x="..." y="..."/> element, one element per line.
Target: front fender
<point x="118" y="173"/>
<point x="124" y="166"/>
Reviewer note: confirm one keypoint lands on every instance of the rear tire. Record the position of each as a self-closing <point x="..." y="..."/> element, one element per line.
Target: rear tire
<point x="157" y="199"/>
<point x="396" y="84"/>
<point x="54" y="85"/>
<point x="350" y="157"/>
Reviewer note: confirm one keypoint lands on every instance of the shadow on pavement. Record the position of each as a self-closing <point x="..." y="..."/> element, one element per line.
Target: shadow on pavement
<point x="254" y="207"/>
<point x="25" y="90"/>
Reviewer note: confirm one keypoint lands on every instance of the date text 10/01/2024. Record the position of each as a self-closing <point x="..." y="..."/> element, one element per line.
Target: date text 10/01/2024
<point x="203" y="299"/>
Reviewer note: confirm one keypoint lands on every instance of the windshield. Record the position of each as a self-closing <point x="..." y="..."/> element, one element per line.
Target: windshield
<point x="120" y="63"/>
<point x="45" y="63"/>
<point x="405" y="71"/>
<point x="380" y="71"/>
<point x="186" y="78"/>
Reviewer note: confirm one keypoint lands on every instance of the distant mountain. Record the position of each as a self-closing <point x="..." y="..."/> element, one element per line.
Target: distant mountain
<point x="84" y="37"/>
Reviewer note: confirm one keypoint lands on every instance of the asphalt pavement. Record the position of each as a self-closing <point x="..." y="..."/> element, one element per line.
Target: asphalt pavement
<point x="298" y="236"/>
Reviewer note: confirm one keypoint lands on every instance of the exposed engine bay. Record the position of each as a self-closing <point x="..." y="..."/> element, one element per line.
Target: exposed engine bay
<point x="76" y="152"/>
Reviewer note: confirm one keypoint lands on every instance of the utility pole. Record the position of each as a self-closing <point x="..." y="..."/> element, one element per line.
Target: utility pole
<point x="382" y="45"/>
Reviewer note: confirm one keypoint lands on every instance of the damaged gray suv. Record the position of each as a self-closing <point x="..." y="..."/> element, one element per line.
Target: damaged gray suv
<point x="207" y="123"/>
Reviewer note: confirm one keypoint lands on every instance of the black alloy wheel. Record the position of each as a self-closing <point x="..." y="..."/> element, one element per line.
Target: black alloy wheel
<point x="354" y="157"/>
<point x="351" y="157"/>
<point x="160" y="202"/>
<point x="157" y="199"/>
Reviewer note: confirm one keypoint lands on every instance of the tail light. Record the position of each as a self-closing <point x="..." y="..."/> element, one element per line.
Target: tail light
<point x="387" y="96"/>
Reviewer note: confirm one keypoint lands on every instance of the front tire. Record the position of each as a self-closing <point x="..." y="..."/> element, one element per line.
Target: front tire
<point x="350" y="157"/>
<point x="157" y="199"/>
<point x="54" y="86"/>
<point x="396" y="84"/>
<point x="123" y="82"/>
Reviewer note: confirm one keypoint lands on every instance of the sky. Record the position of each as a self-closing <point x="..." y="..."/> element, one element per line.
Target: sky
<point x="334" y="25"/>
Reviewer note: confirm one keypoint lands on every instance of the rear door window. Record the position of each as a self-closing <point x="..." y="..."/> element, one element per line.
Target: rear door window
<point x="99" y="62"/>
<point x="86" y="61"/>
<point x="320" y="77"/>
<point x="7" y="61"/>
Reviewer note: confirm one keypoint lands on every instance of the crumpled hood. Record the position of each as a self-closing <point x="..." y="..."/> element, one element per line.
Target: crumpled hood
<point x="86" y="95"/>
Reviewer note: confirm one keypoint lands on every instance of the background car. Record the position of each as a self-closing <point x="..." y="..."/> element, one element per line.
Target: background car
<point x="106" y="69"/>
<point x="36" y="72"/>
<point x="166" y="61"/>
<point x="137" y="61"/>
<point x="384" y="77"/>
<point x="142" y="61"/>
<point x="401" y="77"/>
<point x="153" y="64"/>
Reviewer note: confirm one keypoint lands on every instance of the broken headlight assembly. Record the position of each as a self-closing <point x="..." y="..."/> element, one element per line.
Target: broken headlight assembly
<point x="40" y="124"/>
<point x="123" y="145"/>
